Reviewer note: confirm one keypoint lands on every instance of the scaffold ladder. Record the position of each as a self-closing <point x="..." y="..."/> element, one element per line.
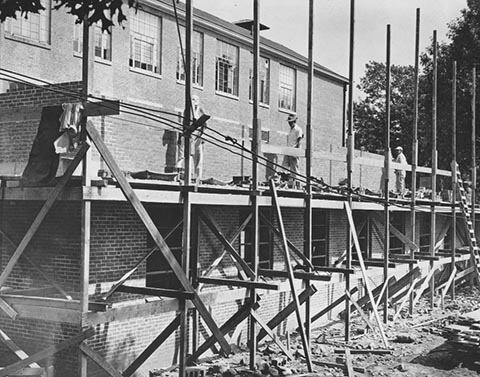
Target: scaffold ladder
<point x="465" y="209"/>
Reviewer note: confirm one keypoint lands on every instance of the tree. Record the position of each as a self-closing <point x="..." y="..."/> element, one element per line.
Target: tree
<point x="102" y="12"/>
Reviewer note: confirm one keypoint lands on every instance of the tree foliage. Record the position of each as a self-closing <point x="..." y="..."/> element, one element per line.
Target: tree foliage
<point x="102" y="12"/>
<point x="464" y="48"/>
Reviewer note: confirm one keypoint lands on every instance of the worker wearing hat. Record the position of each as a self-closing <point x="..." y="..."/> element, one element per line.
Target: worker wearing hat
<point x="400" y="173"/>
<point x="293" y="140"/>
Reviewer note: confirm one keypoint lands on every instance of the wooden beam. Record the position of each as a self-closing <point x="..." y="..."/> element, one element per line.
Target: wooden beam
<point x="241" y="314"/>
<point x="227" y="245"/>
<point x="333" y="305"/>
<point x="152" y="347"/>
<point x="405" y="298"/>
<point x="15" y="349"/>
<point x="99" y="360"/>
<point x="372" y="263"/>
<point x="334" y="269"/>
<point x="160" y="292"/>
<point x="286" y="255"/>
<point x="292" y="247"/>
<point x="7" y="309"/>
<point x="239" y="283"/>
<point x="360" y="311"/>
<point x="348" y="361"/>
<point x="28" y="372"/>
<point x="152" y="229"/>
<point x="296" y="274"/>
<point x="127" y="275"/>
<point x="402" y="237"/>
<point x="49" y="351"/>
<point x="423" y="286"/>
<point x="43" y="213"/>
<point x="101" y="108"/>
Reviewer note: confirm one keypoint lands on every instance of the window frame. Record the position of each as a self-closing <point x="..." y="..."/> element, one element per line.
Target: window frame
<point x="43" y="15"/>
<point x="292" y="87"/>
<point x="137" y="37"/>
<point x="78" y="41"/>
<point x="265" y="93"/>
<point x="236" y="71"/>
<point x="197" y="64"/>
<point x="320" y="255"/>
<point x="265" y="242"/>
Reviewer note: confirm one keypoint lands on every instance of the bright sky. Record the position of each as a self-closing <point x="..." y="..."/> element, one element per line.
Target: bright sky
<point x="288" y="22"/>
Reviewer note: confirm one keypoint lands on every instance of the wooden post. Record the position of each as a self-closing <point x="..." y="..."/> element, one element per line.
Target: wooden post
<point x="454" y="169"/>
<point x="254" y="198"/>
<point x="386" y="243"/>
<point x="474" y="154"/>
<point x="350" y="157"/>
<point x="187" y="208"/>
<point x="415" y="148"/>
<point x="433" y="217"/>
<point x="308" y="173"/>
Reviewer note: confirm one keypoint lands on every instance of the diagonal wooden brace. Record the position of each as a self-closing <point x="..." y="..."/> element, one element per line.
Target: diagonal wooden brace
<point x="156" y="236"/>
<point x="99" y="360"/>
<point x="43" y="213"/>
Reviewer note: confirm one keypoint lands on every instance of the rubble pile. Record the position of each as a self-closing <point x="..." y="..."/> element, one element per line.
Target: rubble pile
<point x="465" y="332"/>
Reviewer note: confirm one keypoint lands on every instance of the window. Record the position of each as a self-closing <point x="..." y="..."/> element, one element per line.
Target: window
<point x="35" y="28"/>
<point x="145" y="32"/>
<point x="319" y="237"/>
<point x="397" y="221"/>
<point x="265" y="137"/>
<point x="264" y="243"/>
<point x="264" y="82"/>
<point x="424" y="232"/>
<point x="197" y="58"/>
<point x="226" y="69"/>
<point x="287" y="88"/>
<point x="103" y="42"/>
<point x="363" y="226"/>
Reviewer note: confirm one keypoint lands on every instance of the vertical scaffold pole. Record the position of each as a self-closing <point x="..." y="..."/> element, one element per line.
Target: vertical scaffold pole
<point x="414" y="150"/>
<point x="454" y="170"/>
<point x="350" y="156"/>
<point x="308" y="204"/>
<point x="86" y="204"/>
<point x="254" y="193"/>
<point x="433" y="215"/>
<point x="474" y="152"/>
<point x="386" y="243"/>
<point x="187" y="208"/>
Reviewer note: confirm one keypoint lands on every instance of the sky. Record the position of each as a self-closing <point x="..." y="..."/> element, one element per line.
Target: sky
<point x="288" y="22"/>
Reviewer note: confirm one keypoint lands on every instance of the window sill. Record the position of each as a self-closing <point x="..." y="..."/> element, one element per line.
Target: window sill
<point x="195" y="86"/>
<point x="103" y="61"/>
<point x="223" y="94"/>
<point x="286" y="111"/>
<point x="144" y="72"/>
<point x="27" y="41"/>
<point x="261" y="104"/>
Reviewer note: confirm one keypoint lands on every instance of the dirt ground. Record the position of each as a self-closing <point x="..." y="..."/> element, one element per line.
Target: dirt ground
<point x="418" y="346"/>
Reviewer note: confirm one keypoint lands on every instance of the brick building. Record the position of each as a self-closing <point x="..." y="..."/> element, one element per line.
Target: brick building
<point x="140" y="65"/>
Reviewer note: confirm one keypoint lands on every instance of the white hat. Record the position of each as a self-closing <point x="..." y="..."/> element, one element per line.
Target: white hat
<point x="399" y="149"/>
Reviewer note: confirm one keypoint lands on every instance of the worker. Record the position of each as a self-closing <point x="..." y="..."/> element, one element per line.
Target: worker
<point x="196" y="139"/>
<point x="400" y="173"/>
<point x="293" y="140"/>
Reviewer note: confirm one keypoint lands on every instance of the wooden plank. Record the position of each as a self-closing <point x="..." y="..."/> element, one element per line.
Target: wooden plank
<point x="216" y="231"/>
<point x="296" y="275"/>
<point x="405" y="240"/>
<point x="451" y="279"/>
<point x="15" y="349"/>
<point x="240" y="315"/>
<point x="7" y="309"/>
<point x="297" y="252"/>
<point x="48" y="313"/>
<point x="405" y="298"/>
<point x="333" y="305"/>
<point x="28" y="372"/>
<point x="39" y="270"/>
<point x="160" y="292"/>
<point x="127" y="275"/>
<point x="269" y="332"/>
<point x="152" y="229"/>
<point x="384" y="287"/>
<point x="349" y="362"/>
<point x="287" y="311"/>
<point x="239" y="283"/>
<point x="360" y="311"/>
<point x="43" y="213"/>
<point x="99" y="360"/>
<point x="152" y="347"/>
<point x="47" y="352"/>
<point x="334" y="270"/>
<point x="288" y="263"/>
<point x="365" y="351"/>
<point x="334" y="365"/>
<point x="423" y="286"/>
<point x="101" y="108"/>
<point x="364" y="271"/>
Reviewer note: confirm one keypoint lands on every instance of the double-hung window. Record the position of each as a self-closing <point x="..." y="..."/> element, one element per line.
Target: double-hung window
<point x="287" y="88"/>
<point x="263" y="81"/>
<point x="145" y="37"/>
<point x="102" y="42"/>
<point x="226" y="69"/>
<point x="319" y="237"/>
<point x="197" y="58"/>
<point x="35" y="28"/>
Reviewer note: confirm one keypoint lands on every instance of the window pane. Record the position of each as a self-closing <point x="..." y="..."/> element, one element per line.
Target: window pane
<point x="264" y="81"/>
<point x="287" y="88"/>
<point x="226" y="69"/>
<point x="197" y="58"/>
<point x="145" y="31"/>
<point x="36" y="27"/>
